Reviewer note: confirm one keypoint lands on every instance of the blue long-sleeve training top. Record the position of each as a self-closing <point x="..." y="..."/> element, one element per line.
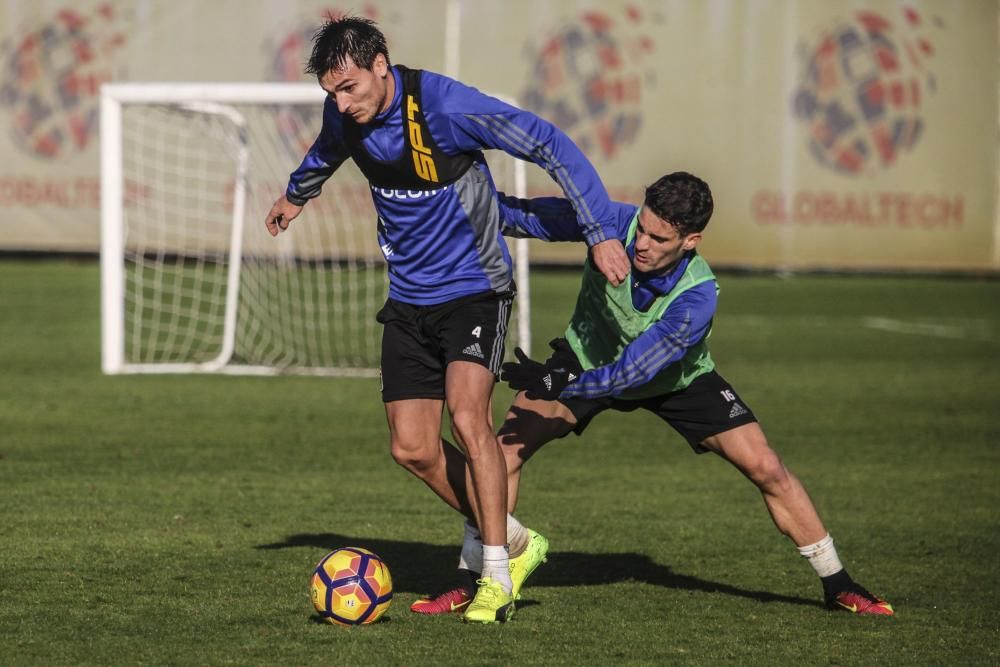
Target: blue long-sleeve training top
<point x="685" y="322"/>
<point x="446" y="243"/>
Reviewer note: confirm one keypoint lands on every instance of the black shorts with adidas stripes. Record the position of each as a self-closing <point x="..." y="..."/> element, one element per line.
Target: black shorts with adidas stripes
<point x="706" y="407"/>
<point x="418" y="342"/>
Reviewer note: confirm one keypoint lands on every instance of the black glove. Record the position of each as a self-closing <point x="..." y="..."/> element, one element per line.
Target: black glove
<point x="538" y="380"/>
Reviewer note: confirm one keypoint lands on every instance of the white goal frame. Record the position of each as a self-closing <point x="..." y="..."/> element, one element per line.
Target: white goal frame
<point x="215" y="98"/>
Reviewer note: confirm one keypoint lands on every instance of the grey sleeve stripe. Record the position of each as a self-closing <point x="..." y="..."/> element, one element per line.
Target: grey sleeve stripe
<point x="562" y="177"/>
<point x="525" y="144"/>
<point x="506" y="128"/>
<point x="649" y="360"/>
<point x="518" y="137"/>
<point x="666" y="347"/>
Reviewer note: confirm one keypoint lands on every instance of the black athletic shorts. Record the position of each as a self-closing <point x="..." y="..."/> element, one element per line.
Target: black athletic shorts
<point x="418" y="342"/>
<point x="706" y="407"/>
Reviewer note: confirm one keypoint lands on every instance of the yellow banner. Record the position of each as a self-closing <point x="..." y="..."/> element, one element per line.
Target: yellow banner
<point x="857" y="135"/>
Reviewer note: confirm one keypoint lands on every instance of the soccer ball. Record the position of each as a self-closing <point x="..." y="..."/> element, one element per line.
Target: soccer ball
<point x="351" y="586"/>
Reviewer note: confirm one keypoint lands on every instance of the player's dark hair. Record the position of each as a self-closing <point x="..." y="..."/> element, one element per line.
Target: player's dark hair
<point x="346" y="37"/>
<point x="682" y="200"/>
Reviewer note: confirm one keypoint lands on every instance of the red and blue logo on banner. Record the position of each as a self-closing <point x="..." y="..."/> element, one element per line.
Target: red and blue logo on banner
<point x="862" y="89"/>
<point x="50" y="79"/>
<point x="588" y="78"/>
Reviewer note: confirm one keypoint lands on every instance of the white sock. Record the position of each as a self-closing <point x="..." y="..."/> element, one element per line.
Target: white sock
<point x="822" y="556"/>
<point x="472" y="550"/>
<point x="472" y="544"/>
<point x="496" y="564"/>
<point x="517" y="537"/>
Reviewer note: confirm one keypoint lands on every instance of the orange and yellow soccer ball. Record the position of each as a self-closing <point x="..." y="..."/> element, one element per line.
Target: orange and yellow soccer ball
<point x="351" y="586"/>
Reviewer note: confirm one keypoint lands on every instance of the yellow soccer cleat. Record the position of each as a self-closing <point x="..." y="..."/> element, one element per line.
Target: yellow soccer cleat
<point x="491" y="604"/>
<point x="522" y="566"/>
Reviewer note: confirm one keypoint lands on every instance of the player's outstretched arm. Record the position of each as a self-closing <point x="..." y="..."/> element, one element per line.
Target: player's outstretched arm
<point x="281" y="213"/>
<point x="535" y="378"/>
<point x="477" y="121"/>
<point x="555" y="219"/>
<point x="685" y="322"/>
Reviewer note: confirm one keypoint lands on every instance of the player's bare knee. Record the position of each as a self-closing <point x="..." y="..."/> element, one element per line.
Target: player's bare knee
<point x="471" y="430"/>
<point x="413" y="455"/>
<point x="768" y="473"/>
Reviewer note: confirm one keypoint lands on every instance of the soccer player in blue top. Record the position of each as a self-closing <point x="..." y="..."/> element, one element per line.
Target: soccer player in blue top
<point x="643" y="344"/>
<point x="418" y="138"/>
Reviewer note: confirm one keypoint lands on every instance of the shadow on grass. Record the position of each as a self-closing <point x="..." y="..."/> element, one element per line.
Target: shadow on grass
<point x="316" y="619"/>
<point x="427" y="568"/>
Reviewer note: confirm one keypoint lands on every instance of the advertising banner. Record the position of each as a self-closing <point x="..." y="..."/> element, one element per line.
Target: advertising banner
<point x="847" y="135"/>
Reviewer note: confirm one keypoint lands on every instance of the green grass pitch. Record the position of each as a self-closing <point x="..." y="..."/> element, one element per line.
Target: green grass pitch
<point x="157" y="520"/>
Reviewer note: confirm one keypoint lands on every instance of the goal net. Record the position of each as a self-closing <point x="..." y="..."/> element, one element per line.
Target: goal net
<point x="192" y="281"/>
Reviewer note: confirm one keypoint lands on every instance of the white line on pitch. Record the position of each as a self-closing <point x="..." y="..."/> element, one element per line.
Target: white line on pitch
<point x="915" y="328"/>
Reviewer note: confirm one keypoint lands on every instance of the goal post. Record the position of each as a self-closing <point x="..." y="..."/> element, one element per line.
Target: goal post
<point x="190" y="280"/>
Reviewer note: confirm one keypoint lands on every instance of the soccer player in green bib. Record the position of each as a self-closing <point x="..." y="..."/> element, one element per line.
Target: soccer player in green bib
<point x="644" y="345"/>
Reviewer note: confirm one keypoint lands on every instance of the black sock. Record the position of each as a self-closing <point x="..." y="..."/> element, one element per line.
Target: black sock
<point x="837" y="582"/>
<point x="467" y="580"/>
